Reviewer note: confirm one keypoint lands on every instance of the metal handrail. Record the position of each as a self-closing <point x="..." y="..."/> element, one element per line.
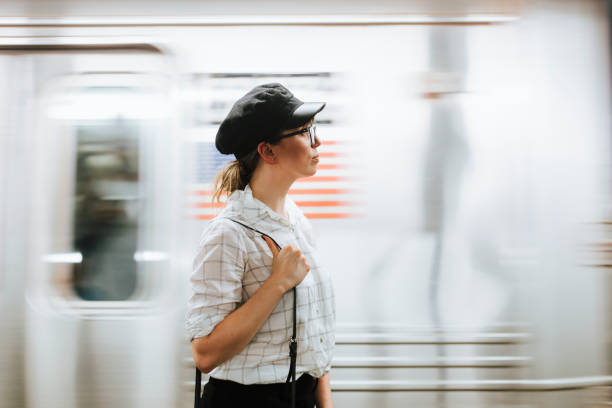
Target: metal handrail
<point x="402" y="338"/>
<point x="443" y="362"/>
<point x="52" y="43"/>
<point x="549" y="384"/>
<point x="259" y="20"/>
<point x="377" y="327"/>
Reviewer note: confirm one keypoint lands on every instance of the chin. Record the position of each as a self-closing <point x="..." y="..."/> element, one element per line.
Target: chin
<point x="308" y="174"/>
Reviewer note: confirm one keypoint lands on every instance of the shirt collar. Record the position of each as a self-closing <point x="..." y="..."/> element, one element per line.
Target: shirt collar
<point x="244" y="199"/>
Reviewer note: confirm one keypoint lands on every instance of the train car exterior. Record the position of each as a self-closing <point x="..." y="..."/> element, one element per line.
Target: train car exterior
<point x="462" y="202"/>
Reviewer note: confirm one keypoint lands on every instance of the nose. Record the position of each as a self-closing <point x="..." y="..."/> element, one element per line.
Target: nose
<point x="317" y="142"/>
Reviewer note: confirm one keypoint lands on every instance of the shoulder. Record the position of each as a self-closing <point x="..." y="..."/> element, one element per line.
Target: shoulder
<point x="221" y="230"/>
<point x="224" y="224"/>
<point x="220" y="241"/>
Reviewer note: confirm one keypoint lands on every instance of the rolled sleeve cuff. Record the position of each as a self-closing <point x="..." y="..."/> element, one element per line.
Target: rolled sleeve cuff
<point x="201" y="325"/>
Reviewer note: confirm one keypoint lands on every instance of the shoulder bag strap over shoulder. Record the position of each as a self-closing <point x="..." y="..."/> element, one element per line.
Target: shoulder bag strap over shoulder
<point x="292" y="344"/>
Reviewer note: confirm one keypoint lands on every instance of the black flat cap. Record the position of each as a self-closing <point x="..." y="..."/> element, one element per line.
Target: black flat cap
<point x="260" y="115"/>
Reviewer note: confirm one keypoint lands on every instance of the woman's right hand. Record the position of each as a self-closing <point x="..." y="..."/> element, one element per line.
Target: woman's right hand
<point x="289" y="266"/>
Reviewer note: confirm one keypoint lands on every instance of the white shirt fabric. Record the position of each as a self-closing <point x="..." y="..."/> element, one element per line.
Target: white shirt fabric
<point x="232" y="262"/>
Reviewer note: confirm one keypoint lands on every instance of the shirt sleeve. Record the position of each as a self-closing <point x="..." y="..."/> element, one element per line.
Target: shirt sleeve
<point x="216" y="278"/>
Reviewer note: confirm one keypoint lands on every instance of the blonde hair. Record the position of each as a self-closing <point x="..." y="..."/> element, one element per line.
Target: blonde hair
<point x="235" y="175"/>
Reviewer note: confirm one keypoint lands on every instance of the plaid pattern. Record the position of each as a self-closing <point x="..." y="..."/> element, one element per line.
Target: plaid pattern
<point x="232" y="262"/>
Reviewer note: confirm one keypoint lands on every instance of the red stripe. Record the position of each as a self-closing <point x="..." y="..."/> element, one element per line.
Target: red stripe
<point x="324" y="178"/>
<point x="331" y="215"/>
<point x="203" y="217"/>
<point x="323" y="203"/>
<point x="331" y="166"/>
<point x="320" y="191"/>
<point x="332" y="154"/>
<point x="207" y="205"/>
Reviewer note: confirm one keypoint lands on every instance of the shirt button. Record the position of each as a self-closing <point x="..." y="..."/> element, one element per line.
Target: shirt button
<point x="320" y="339"/>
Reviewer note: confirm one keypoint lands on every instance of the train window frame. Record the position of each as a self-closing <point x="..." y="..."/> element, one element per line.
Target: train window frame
<point x="151" y="288"/>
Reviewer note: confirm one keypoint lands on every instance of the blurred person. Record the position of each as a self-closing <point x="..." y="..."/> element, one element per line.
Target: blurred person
<point x="240" y="314"/>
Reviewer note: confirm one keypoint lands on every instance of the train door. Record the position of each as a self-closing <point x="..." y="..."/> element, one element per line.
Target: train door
<point x="98" y="167"/>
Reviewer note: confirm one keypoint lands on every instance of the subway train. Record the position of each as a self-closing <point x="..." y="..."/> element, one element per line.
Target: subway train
<point x="462" y="202"/>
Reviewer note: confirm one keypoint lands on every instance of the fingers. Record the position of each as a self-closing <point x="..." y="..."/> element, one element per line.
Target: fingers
<point x="306" y="265"/>
<point x="288" y="250"/>
<point x="271" y="244"/>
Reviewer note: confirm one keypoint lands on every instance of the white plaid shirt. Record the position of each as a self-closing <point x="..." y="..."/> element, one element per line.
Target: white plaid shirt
<point x="232" y="262"/>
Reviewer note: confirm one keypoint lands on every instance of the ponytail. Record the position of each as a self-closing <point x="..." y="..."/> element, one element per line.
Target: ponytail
<point x="235" y="176"/>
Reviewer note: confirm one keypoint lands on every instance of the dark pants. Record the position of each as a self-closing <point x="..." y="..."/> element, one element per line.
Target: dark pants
<point x="229" y="394"/>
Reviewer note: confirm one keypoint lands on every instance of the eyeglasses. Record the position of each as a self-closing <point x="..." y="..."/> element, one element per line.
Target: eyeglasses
<point x="312" y="133"/>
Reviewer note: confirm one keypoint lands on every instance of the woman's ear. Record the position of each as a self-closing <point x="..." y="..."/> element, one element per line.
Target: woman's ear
<point x="266" y="152"/>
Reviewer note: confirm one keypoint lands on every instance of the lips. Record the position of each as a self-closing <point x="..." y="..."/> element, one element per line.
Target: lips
<point x="316" y="158"/>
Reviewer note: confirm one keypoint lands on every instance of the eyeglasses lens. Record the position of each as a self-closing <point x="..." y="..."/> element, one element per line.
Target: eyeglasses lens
<point x="313" y="134"/>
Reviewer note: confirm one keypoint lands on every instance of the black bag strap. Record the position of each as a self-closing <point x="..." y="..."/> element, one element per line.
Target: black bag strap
<point x="293" y="353"/>
<point x="293" y="344"/>
<point x="198" y="389"/>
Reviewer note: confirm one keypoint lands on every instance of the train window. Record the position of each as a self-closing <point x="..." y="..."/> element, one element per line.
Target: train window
<point x="105" y="221"/>
<point x="106" y="135"/>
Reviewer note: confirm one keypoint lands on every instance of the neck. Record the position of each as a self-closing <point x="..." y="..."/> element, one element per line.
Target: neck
<point x="271" y="188"/>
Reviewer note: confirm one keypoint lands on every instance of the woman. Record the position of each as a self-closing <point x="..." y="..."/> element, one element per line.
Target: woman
<point x="240" y="314"/>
